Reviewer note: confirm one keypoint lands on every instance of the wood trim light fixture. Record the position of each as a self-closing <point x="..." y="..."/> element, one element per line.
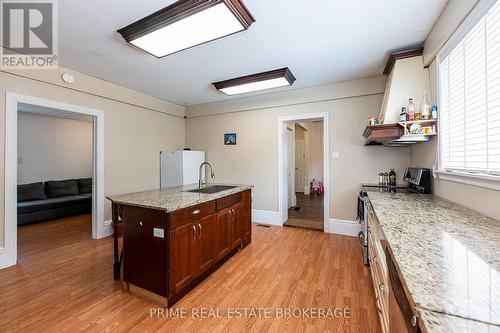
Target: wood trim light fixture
<point x="266" y="80"/>
<point x="187" y="23"/>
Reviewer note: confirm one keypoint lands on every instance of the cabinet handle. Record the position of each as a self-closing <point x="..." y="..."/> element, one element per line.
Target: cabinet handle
<point x="381" y="288"/>
<point x="201" y="229"/>
<point x="374" y="259"/>
<point x="414" y="320"/>
<point x="194" y="232"/>
<point x="196" y="212"/>
<point x="230" y="215"/>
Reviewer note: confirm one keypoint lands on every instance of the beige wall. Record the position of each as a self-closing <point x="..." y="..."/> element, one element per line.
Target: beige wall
<point x="52" y="148"/>
<point x="255" y="119"/>
<point x="450" y="18"/>
<point x="134" y="132"/>
<point x="480" y="199"/>
<point x="314" y="151"/>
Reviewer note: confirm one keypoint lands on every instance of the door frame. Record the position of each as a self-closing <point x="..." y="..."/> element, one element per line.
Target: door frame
<point x="282" y="177"/>
<point x="12" y="101"/>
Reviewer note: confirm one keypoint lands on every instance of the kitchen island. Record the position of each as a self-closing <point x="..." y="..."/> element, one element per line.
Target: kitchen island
<point x="173" y="238"/>
<point x="447" y="257"/>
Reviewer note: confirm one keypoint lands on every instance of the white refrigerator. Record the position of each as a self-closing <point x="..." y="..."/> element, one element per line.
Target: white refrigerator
<point x="180" y="167"/>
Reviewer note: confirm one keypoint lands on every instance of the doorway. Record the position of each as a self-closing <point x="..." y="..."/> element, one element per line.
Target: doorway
<point x="54" y="178"/>
<point x="304" y="171"/>
<point x="14" y="104"/>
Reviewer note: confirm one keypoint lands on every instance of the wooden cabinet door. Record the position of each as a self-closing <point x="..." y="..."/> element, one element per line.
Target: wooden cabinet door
<point x="222" y="232"/>
<point x="236" y="225"/>
<point x="182" y="256"/>
<point x="206" y="245"/>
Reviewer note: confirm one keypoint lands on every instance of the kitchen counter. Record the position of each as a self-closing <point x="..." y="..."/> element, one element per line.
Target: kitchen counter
<point x="186" y="236"/>
<point x="449" y="259"/>
<point x="173" y="198"/>
<point x="442" y="323"/>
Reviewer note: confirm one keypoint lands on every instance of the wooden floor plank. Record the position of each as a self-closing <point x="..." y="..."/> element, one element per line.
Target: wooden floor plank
<point x="63" y="283"/>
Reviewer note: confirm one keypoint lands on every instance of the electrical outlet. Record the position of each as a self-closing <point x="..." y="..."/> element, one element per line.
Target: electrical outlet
<point x="336" y="155"/>
<point x="157" y="232"/>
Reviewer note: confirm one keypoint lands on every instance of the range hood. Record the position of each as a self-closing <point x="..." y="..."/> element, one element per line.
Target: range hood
<point x="407" y="79"/>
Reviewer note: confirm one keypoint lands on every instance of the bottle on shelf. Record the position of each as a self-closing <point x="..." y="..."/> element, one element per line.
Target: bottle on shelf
<point x="403" y="116"/>
<point x="425" y="107"/>
<point x="434" y="112"/>
<point x="411" y="110"/>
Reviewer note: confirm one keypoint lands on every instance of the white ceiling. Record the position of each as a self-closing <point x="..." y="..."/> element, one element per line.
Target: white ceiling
<point x="321" y="41"/>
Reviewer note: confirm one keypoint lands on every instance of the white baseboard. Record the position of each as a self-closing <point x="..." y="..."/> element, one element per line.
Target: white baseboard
<point x="108" y="229"/>
<point x="6" y="259"/>
<point x="266" y="217"/>
<point x="335" y="226"/>
<point x="343" y="227"/>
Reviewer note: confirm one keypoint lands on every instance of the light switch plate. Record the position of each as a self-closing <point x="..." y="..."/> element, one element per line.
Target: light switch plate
<point x="157" y="232"/>
<point x="336" y="155"/>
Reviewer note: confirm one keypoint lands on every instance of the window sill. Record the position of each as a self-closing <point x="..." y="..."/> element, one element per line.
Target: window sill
<point x="484" y="181"/>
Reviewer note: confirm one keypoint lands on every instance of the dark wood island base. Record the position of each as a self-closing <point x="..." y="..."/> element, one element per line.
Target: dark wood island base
<point x="167" y="254"/>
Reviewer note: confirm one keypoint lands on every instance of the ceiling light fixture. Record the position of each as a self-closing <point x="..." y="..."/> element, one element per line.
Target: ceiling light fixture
<point x="187" y="23"/>
<point x="266" y="80"/>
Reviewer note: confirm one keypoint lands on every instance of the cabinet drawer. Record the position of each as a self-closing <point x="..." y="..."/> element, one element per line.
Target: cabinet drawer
<point x="229" y="201"/>
<point x="191" y="214"/>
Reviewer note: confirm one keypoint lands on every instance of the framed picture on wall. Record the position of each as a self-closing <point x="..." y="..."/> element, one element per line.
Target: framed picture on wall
<point x="230" y="139"/>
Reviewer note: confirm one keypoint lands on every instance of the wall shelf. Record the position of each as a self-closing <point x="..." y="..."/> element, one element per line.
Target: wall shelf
<point x="423" y="123"/>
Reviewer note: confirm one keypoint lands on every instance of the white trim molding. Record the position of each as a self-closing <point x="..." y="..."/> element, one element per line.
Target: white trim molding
<point x="343" y="227"/>
<point x="6" y="258"/>
<point x="483" y="181"/>
<point x="266" y="217"/>
<point x="9" y="256"/>
<point x="108" y="229"/>
<point x="282" y="178"/>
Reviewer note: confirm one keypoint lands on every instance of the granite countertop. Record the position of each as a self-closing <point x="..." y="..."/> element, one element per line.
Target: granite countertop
<point x="449" y="257"/>
<point x="170" y="199"/>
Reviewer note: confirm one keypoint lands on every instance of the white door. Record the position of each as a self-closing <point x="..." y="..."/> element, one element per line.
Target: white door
<point x="284" y="172"/>
<point x="300" y="164"/>
<point x="290" y="172"/>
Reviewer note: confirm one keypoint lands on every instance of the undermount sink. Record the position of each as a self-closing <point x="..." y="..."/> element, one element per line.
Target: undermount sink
<point x="212" y="189"/>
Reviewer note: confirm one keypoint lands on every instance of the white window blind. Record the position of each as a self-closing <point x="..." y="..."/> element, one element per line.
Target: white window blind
<point x="469" y="88"/>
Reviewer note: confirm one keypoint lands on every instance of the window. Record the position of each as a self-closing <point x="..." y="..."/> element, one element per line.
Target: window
<point x="469" y="91"/>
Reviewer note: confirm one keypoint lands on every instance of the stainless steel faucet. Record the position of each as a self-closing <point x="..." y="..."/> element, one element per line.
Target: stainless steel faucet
<point x="212" y="174"/>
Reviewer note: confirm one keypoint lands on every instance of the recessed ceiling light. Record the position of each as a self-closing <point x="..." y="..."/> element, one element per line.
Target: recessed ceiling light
<point x="266" y="80"/>
<point x="187" y="23"/>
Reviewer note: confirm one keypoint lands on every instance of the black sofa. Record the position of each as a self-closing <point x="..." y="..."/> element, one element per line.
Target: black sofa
<point x="52" y="200"/>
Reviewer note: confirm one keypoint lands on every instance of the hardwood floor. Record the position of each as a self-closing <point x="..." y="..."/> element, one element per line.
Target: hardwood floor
<point x="310" y="215"/>
<point x="64" y="282"/>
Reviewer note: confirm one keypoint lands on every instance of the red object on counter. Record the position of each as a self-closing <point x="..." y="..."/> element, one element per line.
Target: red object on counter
<point x="311" y="188"/>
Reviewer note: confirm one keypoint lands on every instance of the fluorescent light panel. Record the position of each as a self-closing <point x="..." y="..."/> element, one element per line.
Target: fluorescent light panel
<point x="256" y="86"/>
<point x="262" y="81"/>
<point x="186" y="26"/>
